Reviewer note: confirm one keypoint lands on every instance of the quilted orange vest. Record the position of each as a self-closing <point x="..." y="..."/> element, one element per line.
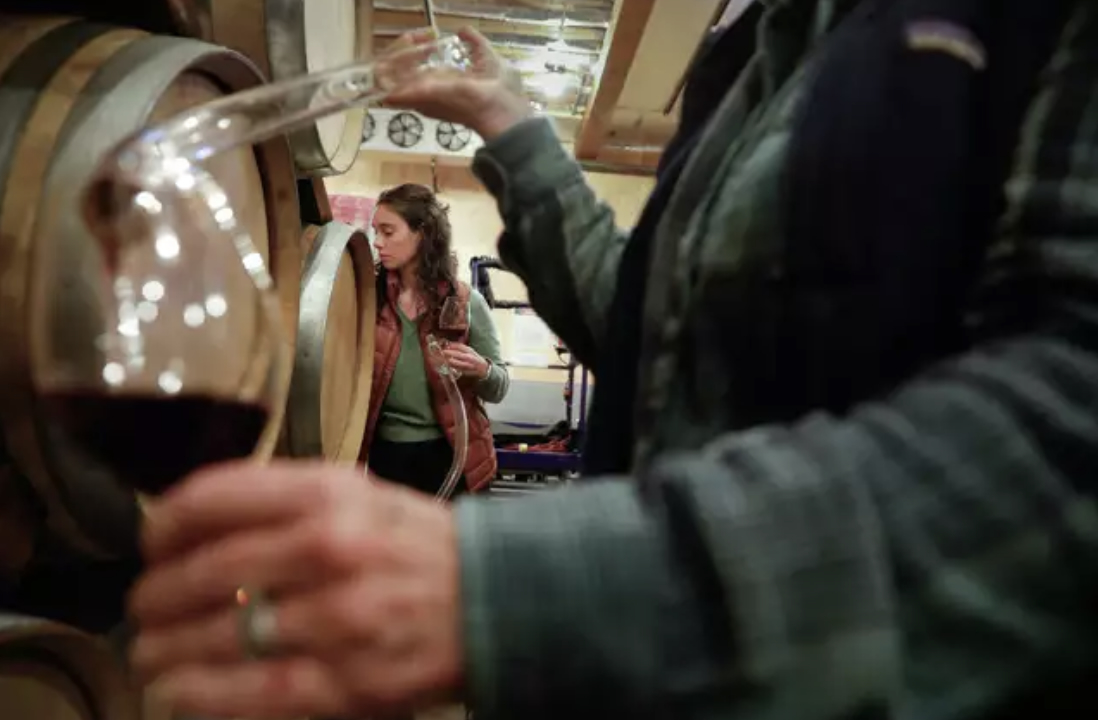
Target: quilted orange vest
<point x="480" y="461"/>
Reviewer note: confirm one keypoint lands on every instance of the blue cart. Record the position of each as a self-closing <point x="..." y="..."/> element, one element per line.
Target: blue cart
<point x="530" y="470"/>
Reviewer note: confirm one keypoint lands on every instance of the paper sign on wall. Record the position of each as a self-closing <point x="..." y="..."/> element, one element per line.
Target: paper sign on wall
<point x="353" y="210"/>
<point x="532" y="341"/>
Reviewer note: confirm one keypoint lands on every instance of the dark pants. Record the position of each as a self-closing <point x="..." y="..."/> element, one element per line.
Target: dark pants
<point x="419" y="465"/>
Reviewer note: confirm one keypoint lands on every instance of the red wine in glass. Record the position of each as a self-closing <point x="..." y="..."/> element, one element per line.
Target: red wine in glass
<point x="453" y="321"/>
<point x="150" y="442"/>
<point x="450" y="335"/>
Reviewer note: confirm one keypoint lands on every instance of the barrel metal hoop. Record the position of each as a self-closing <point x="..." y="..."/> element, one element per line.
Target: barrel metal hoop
<point x="305" y="412"/>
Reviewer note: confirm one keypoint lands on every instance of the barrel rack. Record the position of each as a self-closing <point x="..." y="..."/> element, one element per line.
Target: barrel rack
<point x="540" y="470"/>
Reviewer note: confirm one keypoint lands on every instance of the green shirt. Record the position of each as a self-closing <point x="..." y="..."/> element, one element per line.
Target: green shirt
<point x="407" y="414"/>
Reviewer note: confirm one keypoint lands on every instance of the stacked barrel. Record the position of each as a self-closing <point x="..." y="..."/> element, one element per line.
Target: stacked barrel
<point x="76" y="77"/>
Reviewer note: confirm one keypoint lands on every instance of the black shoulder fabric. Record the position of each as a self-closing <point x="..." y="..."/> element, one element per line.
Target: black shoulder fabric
<point x="894" y="182"/>
<point x="608" y="447"/>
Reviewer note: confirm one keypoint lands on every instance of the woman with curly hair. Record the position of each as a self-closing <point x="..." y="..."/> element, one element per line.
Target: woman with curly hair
<point x="410" y="433"/>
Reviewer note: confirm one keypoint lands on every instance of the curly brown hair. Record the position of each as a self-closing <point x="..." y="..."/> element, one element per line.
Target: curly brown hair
<point x="436" y="265"/>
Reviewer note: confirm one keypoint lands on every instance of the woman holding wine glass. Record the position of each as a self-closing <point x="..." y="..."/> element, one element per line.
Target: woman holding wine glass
<point x="411" y="428"/>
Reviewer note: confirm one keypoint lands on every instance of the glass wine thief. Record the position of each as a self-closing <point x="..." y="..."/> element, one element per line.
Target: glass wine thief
<point x="184" y="302"/>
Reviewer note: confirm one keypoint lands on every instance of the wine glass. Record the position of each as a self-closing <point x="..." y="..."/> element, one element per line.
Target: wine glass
<point x="453" y="322"/>
<point x="453" y="319"/>
<point x="163" y="354"/>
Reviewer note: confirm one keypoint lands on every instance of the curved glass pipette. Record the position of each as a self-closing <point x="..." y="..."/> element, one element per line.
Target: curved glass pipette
<point x="461" y="420"/>
<point x="153" y="186"/>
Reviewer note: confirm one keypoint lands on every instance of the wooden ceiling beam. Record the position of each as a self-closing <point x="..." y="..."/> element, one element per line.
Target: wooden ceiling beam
<point x="631" y="19"/>
<point x="641" y="159"/>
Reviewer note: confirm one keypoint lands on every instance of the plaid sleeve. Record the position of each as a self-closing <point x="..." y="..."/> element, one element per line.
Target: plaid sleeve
<point x="558" y="237"/>
<point x="935" y="554"/>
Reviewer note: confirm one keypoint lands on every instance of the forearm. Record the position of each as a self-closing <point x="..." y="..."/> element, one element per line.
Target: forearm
<point x="558" y="237"/>
<point x="782" y="566"/>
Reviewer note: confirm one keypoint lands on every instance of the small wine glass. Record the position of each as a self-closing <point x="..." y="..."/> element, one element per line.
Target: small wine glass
<point x="453" y="322"/>
<point x="453" y="319"/>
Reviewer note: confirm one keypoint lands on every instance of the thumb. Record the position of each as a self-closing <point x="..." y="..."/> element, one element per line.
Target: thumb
<point x="407" y="41"/>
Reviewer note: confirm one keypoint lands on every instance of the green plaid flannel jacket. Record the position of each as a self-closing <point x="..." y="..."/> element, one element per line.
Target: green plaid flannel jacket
<point x="930" y="556"/>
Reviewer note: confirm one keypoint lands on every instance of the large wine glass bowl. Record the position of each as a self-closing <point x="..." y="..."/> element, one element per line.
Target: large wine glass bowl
<point x="168" y="356"/>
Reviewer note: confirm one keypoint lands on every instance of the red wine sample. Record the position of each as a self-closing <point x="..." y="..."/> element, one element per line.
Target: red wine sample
<point x="153" y="441"/>
<point x="450" y="334"/>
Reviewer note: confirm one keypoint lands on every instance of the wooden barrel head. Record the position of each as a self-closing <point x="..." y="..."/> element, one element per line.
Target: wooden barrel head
<point x="96" y="85"/>
<point x="51" y="671"/>
<point x="288" y="38"/>
<point x="333" y="368"/>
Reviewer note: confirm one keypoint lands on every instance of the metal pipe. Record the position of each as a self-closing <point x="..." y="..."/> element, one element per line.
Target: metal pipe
<point x="503" y="16"/>
<point x="429" y="8"/>
<point x="521" y="46"/>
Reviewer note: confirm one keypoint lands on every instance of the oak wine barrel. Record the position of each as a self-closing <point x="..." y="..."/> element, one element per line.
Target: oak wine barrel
<point x="285" y="38"/>
<point x="71" y="90"/>
<point x="53" y="671"/>
<point x="330" y="393"/>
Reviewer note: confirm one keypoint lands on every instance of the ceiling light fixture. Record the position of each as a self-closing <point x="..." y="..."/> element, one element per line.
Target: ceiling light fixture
<point x="553" y="84"/>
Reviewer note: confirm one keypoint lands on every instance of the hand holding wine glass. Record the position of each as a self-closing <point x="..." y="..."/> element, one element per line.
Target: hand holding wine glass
<point x="364" y="584"/>
<point x="487" y="97"/>
<point x="453" y="324"/>
<point x="465" y="360"/>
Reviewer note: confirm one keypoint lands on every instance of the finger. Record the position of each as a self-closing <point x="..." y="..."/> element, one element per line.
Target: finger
<point x="456" y="356"/>
<point x="464" y="351"/>
<point x="361" y="612"/>
<point x="434" y="88"/>
<point x="420" y="36"/>
<point x="276" y="559"/>
<point x="470" y="354"/>
<point x="480" y="46"/>
<point x="215" y="638"/>
<point x="211" y="639"/>
<point x="462" y="364"/>
<point x="276" y="689"/>
<point x="380" y="611"/>
<point x="407" y="60"/>
<point x="235" y="497"/>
